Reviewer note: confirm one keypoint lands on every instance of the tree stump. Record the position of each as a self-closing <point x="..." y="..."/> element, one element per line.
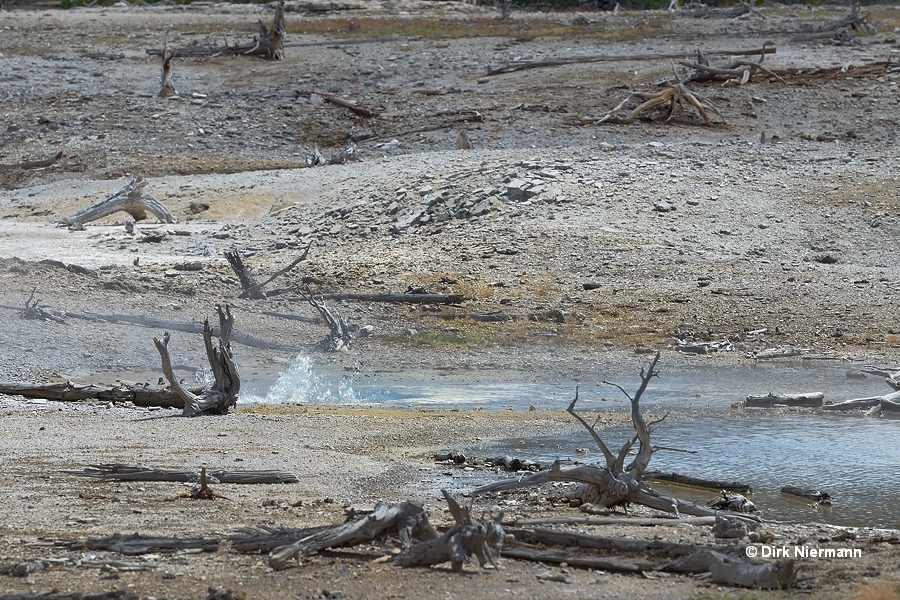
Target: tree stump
<point x="224" y="391"/>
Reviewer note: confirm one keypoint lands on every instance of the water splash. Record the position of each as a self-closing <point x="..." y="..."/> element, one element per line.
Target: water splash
<point x="300" y="383"/>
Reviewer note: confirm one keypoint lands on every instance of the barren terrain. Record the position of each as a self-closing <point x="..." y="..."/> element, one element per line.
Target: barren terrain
<point x="776" y="227"/>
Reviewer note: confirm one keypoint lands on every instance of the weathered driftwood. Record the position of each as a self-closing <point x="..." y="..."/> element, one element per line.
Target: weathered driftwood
<point x="738" y="71"/>
<point x="596" y="520"/>
<point x="726" y="564"/>
<point x="891" y="374"/>
<point x="734" y="527"/>
<point x="890" y="403"/>
<point x="691" y="347"/>
<point x="339" y="336"/>
<point x="776" y="353"/>
<point x="363" y="111"/>
<point x="455" y="117"/>
<point x="854" y="404"/>
<point x="698" y="482"/>
<point x="265" y="538"/>
<point x="227" y="383"/>
<point x="807" y="494"/>
<point x="201" y="490"/>
<point x="407" y="519"/>
<point x="251" y="287"/>
<point x="550" y="315"/>
<point x="520" y="65"/>
<point x="735" y="570"/>
<point x="167" y="86"/>
<point x="269" y="43"/>
<point x="293" y="317"/>
<point x="144" y="544"/>
<point x="605" y="563"/>
<point x="32" y="164"/>
<point x="398" y="298"/>
<point x="813" y="399"/>
<point x="23" y="569"/>
<point x="121" y="472"/>
<point x="141" y="394"/>
<point x="733" y="502"/>
<point x="33" y="310"/>
<point x="483" y="539"/>
<point x="852" y="21"/>
<point x="237" y="336"/>
<point x="675" y="94"/>
<point x="617" y="483"/>
<point x="131" y="199"/>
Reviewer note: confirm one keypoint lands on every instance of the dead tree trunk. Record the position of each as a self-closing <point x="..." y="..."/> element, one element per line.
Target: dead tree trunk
<point x="33" y="310"/>
<point x="270" y="44"/>
<point x="617" y="483"/>
<point x="224" y="392"/>
<point x="484" y="539"/>
<point x="167" y="87"/>
<point x="254" y="289"/>
<point x="407" y="519"/>
<point x="339" y="336"/>
<point x="131" y="199"/>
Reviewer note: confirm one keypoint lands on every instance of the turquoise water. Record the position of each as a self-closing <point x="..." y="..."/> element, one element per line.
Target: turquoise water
<point x="855" y="459"/>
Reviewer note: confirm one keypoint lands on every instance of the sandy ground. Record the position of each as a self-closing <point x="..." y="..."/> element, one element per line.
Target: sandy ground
<point x="775" y="229"/>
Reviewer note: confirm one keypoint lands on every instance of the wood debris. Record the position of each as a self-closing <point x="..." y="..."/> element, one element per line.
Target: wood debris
<point x="222" y="396"/>
<point x="132" y="199"/>
<point x="123" y="472"/>
<point x="675" y="95"/>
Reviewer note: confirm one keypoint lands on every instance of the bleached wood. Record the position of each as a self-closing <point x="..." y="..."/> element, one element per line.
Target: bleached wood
<point x="131" y="199"/>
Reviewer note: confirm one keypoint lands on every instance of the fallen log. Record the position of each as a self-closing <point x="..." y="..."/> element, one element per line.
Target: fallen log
<point x="393" y="298"/>
<point x="468" y="537"/>
<point x="519" y="65"/>
<point x="611" y="563"/>
<point x="595" y="520"/>
<point x="854" y="404"/>
<point x="141" y="394"/>
<point x="698" y="482"/>
<point x="143" y="544"/>
<point x="733" y="502"/>
<point x="131" y="199"/>
<point x="889" y="405"/>
<point x="814" y="399"/>
<point x="807" y="494"/>
<point x="358" y="109"/>
<point x="407" y="519"/>
<point x="269" y="43"/>
<point x="237" y="336"/>
<point x="726" y="564"/>
<point x="853" y="20"/>
<point x="32" y="164"/>
<point x="738" y="71"/>
<point x="122" y="472"/>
